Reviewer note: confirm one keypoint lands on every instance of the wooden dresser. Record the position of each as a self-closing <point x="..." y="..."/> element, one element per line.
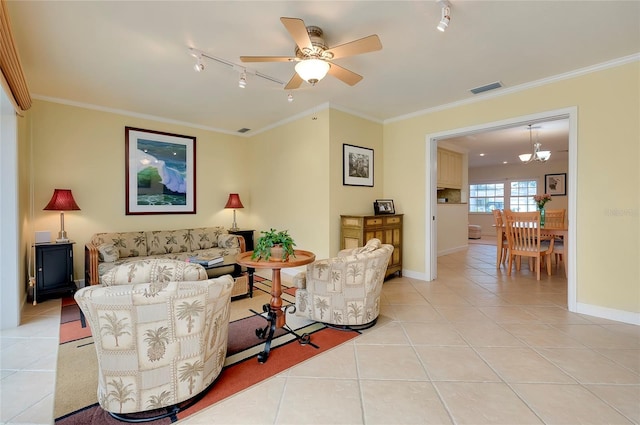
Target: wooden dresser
<point x="356" y="230"/>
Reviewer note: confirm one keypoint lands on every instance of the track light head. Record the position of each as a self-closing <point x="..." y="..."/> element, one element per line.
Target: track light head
<point x="242" y="83"/>
<point x="289" y="98"/>
<point x="199" y="66"/>
<point x="446" y="15"/>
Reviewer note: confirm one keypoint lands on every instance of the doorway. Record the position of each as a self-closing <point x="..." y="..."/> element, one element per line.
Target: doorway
<point x="431" y="140"/>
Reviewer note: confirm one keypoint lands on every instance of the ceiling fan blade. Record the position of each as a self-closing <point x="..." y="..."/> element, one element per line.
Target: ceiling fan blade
<point x="357" y="47"/>
<point x="344" y="75"/>
<point x="298" y="31"/>
<point x="294" y="82"/>
<point x="266" y="59"/>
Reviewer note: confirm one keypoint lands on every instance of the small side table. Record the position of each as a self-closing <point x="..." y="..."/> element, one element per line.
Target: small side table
<point x="275" y="312"/>
<point x="247" y="235"/>
<point x="54" y="270"/>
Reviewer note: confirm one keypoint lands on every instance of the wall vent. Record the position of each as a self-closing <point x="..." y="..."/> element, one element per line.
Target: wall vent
<point x="244" y="130"/>
<point x="486" y="87"/>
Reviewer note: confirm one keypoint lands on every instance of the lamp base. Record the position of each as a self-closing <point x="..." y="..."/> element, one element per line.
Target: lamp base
<point x="62" y="237"/>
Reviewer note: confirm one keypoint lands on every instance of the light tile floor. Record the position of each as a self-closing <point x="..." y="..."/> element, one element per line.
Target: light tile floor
<point x="473" y="347"/>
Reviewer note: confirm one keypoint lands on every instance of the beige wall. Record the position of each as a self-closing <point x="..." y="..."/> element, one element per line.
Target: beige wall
<point x="607" y="178"/>
<point x="83" y="150"/>
<point x="290" y="181"/>
<point x="352" y="130"/>
<point x="26" y="267"/>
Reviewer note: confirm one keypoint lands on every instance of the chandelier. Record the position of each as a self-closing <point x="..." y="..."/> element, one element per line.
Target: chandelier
<point x="537" y="154"/>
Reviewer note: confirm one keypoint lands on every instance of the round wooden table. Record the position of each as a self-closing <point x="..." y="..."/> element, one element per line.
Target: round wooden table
<point x="275" y="314"/>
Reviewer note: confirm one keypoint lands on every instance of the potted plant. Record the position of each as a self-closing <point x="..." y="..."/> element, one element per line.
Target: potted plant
<point x="268" y="246"/>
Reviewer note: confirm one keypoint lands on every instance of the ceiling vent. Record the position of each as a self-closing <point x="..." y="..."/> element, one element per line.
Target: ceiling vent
<point x="244" y="130"/>
<point x="487" y="87"/>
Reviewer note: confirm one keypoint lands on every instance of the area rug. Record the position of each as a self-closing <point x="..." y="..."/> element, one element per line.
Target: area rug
<point x="77" y="370"/>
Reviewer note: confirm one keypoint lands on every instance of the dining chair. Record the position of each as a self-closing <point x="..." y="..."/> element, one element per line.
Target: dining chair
<point x="524" y="239"/>
<point x="554" y="219"/>
<point x="501" y="254"/>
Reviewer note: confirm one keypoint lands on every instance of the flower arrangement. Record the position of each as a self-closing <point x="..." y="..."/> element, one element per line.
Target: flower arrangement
<point x="541" y="200"/>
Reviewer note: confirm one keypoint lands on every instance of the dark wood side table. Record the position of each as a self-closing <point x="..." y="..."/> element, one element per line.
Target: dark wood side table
<point x="247" y="235"/>
<point x="54" y="270"/>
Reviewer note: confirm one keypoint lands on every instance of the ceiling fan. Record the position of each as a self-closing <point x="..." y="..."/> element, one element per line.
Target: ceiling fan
<point x="314" y="59"/>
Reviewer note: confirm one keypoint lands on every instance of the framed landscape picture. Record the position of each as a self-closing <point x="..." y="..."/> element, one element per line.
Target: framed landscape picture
<point x="160" y="172"/>
<point x="357" y="166"/>
<point x="555" y="184"/>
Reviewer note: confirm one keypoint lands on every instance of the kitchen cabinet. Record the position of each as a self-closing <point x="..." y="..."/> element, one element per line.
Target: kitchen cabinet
<point x="449" y="169"/>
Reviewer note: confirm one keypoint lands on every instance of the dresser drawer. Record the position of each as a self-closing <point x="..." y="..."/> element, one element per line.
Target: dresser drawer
<point x="373" y="222"/>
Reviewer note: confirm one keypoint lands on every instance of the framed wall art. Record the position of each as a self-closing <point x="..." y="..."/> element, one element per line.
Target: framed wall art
<point x="357" y="166"/>
<point x="160" y="172"/>
<point x="555" y="184"/>
<point x="384" y="206"/>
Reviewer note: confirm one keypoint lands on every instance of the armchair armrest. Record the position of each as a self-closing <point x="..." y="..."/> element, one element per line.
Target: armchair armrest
<point x="300" y="280"/>
<point x="91" y="259"/>
<point x="228" y="240"/>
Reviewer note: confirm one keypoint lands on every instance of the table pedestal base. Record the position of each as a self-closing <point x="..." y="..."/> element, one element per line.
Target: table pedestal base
<point x="268" y="331"/>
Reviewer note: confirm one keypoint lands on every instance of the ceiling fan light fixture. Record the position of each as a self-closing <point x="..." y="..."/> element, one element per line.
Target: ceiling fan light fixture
<point x="312" y="70"/>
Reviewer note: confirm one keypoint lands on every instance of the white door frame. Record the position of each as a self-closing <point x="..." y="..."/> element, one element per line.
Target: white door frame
<point x="431" y="236"/>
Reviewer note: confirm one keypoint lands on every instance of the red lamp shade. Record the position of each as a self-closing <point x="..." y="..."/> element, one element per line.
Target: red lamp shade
<point x="234" y="201"/>
<point x="62" y="200"/>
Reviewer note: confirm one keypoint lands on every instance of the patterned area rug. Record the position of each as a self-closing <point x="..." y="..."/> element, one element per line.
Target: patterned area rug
<point x="77" y="370"/>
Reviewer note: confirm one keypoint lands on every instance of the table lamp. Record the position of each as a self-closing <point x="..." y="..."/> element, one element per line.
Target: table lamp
<point x="62" y="200"/>
<point x="234" y="202"/>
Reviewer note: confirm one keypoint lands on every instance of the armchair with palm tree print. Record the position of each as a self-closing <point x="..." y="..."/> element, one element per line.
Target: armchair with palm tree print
<point x="158" y="343"/>
<point x="344" y="291"/>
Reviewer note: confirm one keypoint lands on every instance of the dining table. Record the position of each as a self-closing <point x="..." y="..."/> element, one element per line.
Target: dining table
<point x="551" y="231"/>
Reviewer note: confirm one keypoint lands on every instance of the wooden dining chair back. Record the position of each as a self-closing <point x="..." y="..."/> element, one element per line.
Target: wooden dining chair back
<point x="523" y="235"/>
<point x="501" y="255"/>
<point x="554" y="219"/>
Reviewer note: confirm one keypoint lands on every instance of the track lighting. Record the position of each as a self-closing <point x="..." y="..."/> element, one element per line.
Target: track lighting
<point x="446" y="15"/>
<point x="243" y="80"/>
<point x="199" y="66"/>
<point x="290" y="98"/>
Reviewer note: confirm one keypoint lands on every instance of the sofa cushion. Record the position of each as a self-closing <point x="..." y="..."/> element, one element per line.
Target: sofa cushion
<point x="205" y="237"/>
<point x="108" y="252"/>
<point x="129" y="244"/>
<point x="168" y="241"/>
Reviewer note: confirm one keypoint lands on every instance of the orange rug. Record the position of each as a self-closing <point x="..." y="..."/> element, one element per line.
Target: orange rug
<point x="243" y="369"/>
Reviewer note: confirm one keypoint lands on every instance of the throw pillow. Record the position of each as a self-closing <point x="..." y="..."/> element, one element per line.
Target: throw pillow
<point x="108" y="253"/>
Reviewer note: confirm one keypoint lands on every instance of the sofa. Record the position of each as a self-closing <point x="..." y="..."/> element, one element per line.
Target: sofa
<point x="158" y="343"/>
<point x="106" y="250"/>
<point x="344" y="291"/>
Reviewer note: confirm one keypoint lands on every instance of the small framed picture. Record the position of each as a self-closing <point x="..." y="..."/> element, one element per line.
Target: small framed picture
<point x="357" y="166"/>
<point x="555" y="184"/>
<point x="384" y="206"/>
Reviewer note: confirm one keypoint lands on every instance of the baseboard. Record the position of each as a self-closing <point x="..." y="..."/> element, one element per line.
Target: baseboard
<point x="452" y="250"/>
<point x="609" y="313"/>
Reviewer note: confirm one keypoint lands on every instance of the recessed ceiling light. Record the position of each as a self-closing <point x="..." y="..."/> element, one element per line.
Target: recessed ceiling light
<point x="481" y="154"/>
<point x="504" y="162"/>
